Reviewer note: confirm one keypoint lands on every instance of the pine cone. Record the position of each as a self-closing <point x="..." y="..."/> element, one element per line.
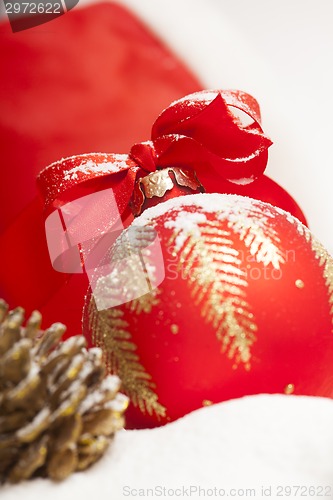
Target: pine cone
<point x="58" y="413"/>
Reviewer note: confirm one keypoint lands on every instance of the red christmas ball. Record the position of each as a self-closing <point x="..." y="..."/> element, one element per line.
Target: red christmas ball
<point x="239" y="302"/>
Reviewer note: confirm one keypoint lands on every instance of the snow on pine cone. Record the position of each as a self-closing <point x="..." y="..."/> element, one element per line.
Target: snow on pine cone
<point x="58" y="413"/>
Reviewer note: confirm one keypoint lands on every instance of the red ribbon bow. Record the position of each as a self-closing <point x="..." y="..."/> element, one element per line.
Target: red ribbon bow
<point x="200" y="131"/>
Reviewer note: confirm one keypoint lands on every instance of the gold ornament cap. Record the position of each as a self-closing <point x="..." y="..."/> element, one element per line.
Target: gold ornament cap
<point x="156" y="184"/>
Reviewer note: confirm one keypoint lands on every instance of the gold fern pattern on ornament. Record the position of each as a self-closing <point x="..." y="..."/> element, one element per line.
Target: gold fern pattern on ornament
<point x="145" y="303"/>
<point x="252" y="225"/>
<point x="218" y="287"/>
<point x="111" y="332"/>
<point x="127" y="272"/>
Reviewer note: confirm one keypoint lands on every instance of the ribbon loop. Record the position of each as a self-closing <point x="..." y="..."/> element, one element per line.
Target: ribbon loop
<point x="200" y="131"/>
<point x="203" y="132"/>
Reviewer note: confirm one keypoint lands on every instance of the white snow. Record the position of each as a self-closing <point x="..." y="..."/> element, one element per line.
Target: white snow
<point x="186" y="223"/>
<point x="265" y="440"/>
<point x="207" y="96"/>
<point x="105" y="163"/>
<point x="91" y="167"/>
<point x="225" y="204"/>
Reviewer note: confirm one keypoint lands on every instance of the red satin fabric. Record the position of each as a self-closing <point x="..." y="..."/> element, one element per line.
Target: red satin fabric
<point x="93" y="80"/>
